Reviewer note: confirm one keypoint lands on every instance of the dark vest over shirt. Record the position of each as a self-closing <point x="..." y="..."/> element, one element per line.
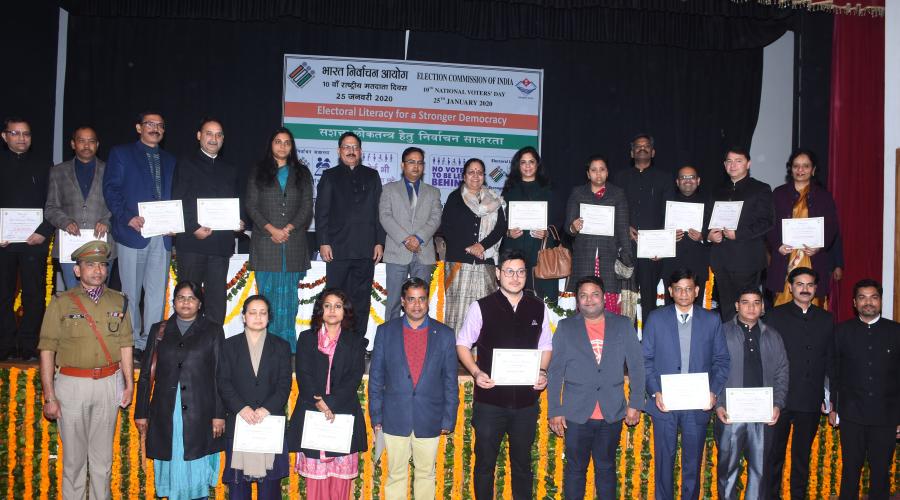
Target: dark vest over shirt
<point x="503" y="328"/>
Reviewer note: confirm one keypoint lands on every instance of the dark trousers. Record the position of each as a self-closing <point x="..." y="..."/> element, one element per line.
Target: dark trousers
<point x="858" y="442"/>
<point x="729" y="284"/>
<point x="265" y="490"/>
<point x="491" y="423"/>
<point x="805" y="426"/>
<point x="31" y="268"/>
<point x="665" y="441"/>
<point x="648" y="276"/>
<point x="211" y="271"/>
<point x="594" y="438"/>
<point x="354" y="277"/>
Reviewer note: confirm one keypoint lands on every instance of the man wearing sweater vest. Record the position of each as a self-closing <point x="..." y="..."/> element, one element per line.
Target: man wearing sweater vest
<point x="865" y="392"/>
<point x="505" y="319"/>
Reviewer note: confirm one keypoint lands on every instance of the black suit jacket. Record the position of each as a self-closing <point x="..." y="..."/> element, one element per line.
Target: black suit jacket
<point x="347" y="211"/>
<point x="809" y="343"/>
<point x="199" y="176"/>
<point x="189" y="360"/>
<point x="347" y="369"/>
<point x="23" y="184"/>
<point x="747" y="252"/>
<point x="240" y="387"/>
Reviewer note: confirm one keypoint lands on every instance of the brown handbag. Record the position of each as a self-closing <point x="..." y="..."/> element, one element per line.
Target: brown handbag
<point x="553" y="263"/>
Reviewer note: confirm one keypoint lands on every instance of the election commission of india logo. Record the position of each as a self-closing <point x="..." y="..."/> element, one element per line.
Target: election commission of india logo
<point x="526" y="86"/>
<point x="302" y="75"/>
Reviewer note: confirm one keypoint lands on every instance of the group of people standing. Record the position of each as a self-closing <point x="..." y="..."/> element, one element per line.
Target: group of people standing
<point x="195" y="383"/>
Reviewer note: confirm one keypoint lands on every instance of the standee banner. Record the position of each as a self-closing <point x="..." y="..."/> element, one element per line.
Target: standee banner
<point x="452" y="111"/>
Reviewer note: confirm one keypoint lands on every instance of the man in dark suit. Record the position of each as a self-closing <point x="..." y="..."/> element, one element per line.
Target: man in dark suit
<point x="586" y="402"/>
<point x="203" y="253"/>
<point x="738" y="255"/>
<point x="681" y="338"/>
<point x="647" y="188"/>
<point x="351" y="239"/>
<point x="75" y="197"/>
<point x="23" y="184"/>
<point x="808" y="335"/>
<point x="691" y="250"/>
<point x="135" y="173"/>
<point x="865" y="392"/>
<point x="416" y="357"/>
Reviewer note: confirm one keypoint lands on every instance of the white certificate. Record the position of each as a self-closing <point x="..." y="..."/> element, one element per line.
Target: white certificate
<point x="798" y="233"/>
<point x="219" y="213"/>
<point x="17" y="224"/>
<point x="161" y="217"/>
<point x="264" y="437"/>
<point x="69" y="243"/>
<point x="725" y="215"/>
<point x="687" y="391"/>
<point x="320" y="434"/>
<point x="750" y="404"/>
<point x="515" y="366"/>
<point x="656" y="243"/>
<point x="684" y="216"/>
<point x="599" y="220"/>
<point x="527" y="215"/>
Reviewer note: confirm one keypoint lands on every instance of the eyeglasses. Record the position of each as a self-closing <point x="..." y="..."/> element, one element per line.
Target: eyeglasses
<point x="350" y="147"/>
<point x="687" y="177"/>
<point x="509" y="273"/>
<point x="17" y="133"/>
<point x="156" y="125"/>
<point x="186" y="299"/>
<point x="413" y="300"/>
<point x="682" y="289"/>
<point x="414" y="162"/>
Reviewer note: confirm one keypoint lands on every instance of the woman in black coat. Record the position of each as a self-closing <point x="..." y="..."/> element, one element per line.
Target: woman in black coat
<point x="180" y="412"/>
<point x="254" y="381"/>
<point x="329" y="364"/>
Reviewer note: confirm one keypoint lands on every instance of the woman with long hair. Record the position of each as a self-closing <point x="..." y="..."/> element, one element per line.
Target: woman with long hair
<point x="473" y="223"/>
<point x="179" y="412"/>
<point x="329" y="366"/>
<point x="528" y="181"/>
<point x="279" y="202"/>
<point x="254" y="381"/>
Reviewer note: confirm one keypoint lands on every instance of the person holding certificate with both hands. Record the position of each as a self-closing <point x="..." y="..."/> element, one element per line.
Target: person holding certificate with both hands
<point x="329" y="366"/>
<point x="801" y="197"/>
<point x="254" y="379"/>
<point x="682" y="342"/>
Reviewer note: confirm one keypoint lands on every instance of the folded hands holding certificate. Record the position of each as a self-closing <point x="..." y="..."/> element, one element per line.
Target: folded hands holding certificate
<point x="748" y="405"/>
<point x="160" y="217"/>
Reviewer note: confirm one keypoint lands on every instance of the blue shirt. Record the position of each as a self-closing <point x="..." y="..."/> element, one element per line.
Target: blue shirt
<point x="84" y="173"/>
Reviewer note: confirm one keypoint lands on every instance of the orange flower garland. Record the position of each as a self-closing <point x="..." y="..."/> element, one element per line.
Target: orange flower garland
<point x="11" y="433"/>
<point x="28" y="455"/>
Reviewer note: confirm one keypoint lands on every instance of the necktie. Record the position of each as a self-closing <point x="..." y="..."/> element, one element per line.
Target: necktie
<point x="413" y="198"/>
<point x="684" y="318"/>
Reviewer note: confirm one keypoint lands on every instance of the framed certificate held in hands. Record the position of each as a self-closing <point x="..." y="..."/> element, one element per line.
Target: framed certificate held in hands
<point x="653" y="243"/>
<point x="599" y="220"/>
<point x="515" y="366"/>
<point x="749" y="404"/>
<point x="803" y="232"/>
<point x="219" y="213"/>
<point x="264" y="437"/>
<point x="684" y="216"/>
<point x="725" y="215"/>
<point x="161" y="217"/>
<point x="69" y="243"/>
<point x="320" y="434"/>
<point x="685" y="391"/>
<point x="17" y="224"/>
<point x="528" y="215"/>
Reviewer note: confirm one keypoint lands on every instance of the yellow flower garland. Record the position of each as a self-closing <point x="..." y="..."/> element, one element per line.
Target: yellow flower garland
<point x="11" y="432"/>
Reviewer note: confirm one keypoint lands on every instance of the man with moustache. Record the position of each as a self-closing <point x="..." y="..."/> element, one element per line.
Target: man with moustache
<point x="758" y="359"/>
<point x="865" y="392"/>
<point x="691" y="250"/>
<point x="140" y="172"/>
<point x="410" y="212"/>
<point x="646" y="188"/>
<point x="738" y="256"/>
<point x="586" y="401"/>
<point x="75" y="196"/>
<point x="202" y="253"/>
<point x="505" y="319"/>
<point x="351" y="238"/>
<point x="413" y="391"/>
<point x="808" y="335"/>
<point x="23" y="184"/>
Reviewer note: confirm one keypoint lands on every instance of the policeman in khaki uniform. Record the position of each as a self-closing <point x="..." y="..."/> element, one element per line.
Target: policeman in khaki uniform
<point x="86" y="333"/>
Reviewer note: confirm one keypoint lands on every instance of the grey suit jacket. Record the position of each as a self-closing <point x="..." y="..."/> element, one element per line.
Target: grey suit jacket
<point x="774" y="361"/>
<point x="267" y="204"/>
<point x="65" y="203"/>
<point x="576" y="383"/>
<point x="400" y="221"/>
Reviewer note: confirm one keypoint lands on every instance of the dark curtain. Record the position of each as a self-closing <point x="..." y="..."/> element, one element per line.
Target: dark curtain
<point x="857" y="149"/>
<point x="812" y="84"/>
<point x="28" y="82"/>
